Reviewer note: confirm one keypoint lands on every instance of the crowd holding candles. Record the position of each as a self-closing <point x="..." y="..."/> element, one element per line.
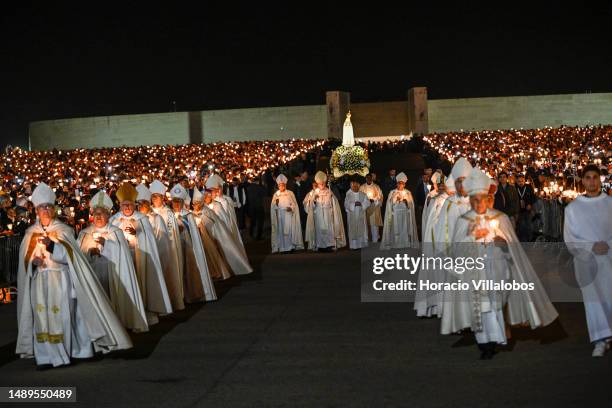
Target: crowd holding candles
<point x="158" y="225"/>
<point x="550" y="158"/>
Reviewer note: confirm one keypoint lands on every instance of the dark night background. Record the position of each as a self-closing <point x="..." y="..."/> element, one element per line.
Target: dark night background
<point x="59" y="61"/>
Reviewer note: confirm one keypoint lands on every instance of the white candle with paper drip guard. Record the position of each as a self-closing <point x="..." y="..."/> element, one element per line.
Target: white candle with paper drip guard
<point x="97" y="235"/>
<point x="125" y="224"/>
<point x="401" y="196"/>
<point x="494" y="224"/>
<point x="41" y="248"/>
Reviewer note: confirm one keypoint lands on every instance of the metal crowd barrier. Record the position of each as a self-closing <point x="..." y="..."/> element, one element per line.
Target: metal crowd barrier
<point x="9" y="259"/>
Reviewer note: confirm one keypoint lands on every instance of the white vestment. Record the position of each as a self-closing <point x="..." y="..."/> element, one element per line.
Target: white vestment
<point x="356" y="218"/>
<point x="400" y="229"/>
<point x="217" y="264"/>
<point x="198" y="284"/>
<point x="587" y="221"/>
<point x="426" y="302"/>
<point x="232" y="251"/>
<point x="114" y="268"/>
<point x="229" y="206"/>
<point x="324" y="225"/>
<point x="286" y="227"/>
<point x="170" y="251"/>
<point x="148" y="265"/>
<point x="374" y="215"/>
<point x="481" y="310"/>
<point x="219" y="209"/>
<point x="62" y="310"/>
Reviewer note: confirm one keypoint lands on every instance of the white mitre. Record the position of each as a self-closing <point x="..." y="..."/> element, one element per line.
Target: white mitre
<point x="43" y="194"/>
<point x="157" y="187"/>
<point x="320" y="177"/>
<point x="198" y="197"/>
<point x="101" y="200"/>
<point x="143" y="192"/>
<point x="214" y="181"/>
<point x="450" y="184"/>
<point x="477" y="183"/>
<point x="178" y="191"/>
<point x="281" y="179"/>
<point x="402" y="177"/>
<point x="462" y="168"/>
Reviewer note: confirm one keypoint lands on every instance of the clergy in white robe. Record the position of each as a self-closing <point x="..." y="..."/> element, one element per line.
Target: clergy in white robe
<point x="215" y="184"/>
<point x="218" y="267"/>
<point x="170" y="253"/>
<point x="588" y="236"/>
<point x="217" y="229"/>
<point x="356" y="204"/>
<point x="62" y="310"/>
<point x="217" y="264"/>
<point x="109" y="255"/>
<point x="488" y="234"/>
<point x="400" y="229"/>
<point x="438" y="189"/>
<point x="285" y="219"/>
<point x="198" y="284"/>
<point x="426" y="301"/>
<point x="373" y="213"/>
<point x="453" y="207"/>
<point x="324" y="225"/>
<point x="143" y="247"/>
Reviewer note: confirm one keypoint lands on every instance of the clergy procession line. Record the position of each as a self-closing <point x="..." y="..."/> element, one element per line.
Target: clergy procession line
<point x="459" y="220"/>
<point x="81" y="296"/>
<point x="78" y="296"/>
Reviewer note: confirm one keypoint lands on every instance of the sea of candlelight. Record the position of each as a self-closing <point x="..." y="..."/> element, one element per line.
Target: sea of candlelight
<point x="98" y="168"/>
<point x="561" y="152"/>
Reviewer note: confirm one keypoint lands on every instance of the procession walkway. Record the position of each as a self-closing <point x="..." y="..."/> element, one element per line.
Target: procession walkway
<point x="296" y="334"/>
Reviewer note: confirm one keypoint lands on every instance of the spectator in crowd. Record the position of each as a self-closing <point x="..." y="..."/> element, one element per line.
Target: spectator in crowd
<point x="527" y="199"/>
<point x="506" y="198"/>
<point x="256" y="194"/>
<point x="237" y="192"/>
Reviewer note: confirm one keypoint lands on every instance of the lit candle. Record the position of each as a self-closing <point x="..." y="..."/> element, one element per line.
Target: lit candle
<point x="494" y="224"/>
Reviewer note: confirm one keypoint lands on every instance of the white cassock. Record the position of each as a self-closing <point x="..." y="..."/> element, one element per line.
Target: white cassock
<point x="286" y="227"/>
<point x="356" y="218"/>
<point x="400" y="229"/>
<point x="589" y="220"/>
<point x="324" y="225"/>
<point x="148" y="265"/>
<point x="218" y="231"/>
<point x="426" y="302"/>
<point x="482" y="310"/>
<point x="198" y="284"/>
<point x="62" y="310"/>
<point x="170" y="253"/>
<point x="374" y="215"/>
<point x="115" y="271"/>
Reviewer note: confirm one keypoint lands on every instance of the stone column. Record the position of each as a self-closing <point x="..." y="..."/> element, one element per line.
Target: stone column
<point x="417" y="110"/>
<point x="338" y="104"/>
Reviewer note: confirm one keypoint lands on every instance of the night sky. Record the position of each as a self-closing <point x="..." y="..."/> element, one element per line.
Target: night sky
<point x="68" y="62"/>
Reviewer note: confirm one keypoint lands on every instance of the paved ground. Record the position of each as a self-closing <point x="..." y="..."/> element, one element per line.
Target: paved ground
<point x="296" y="334"/>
